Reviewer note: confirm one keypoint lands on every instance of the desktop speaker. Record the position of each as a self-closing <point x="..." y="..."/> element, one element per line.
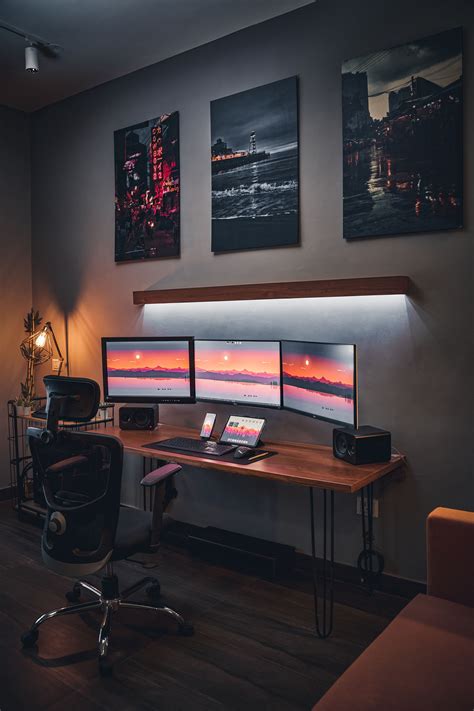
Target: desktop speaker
<point x="138" y="418"/>
<point x="364" y="445"/>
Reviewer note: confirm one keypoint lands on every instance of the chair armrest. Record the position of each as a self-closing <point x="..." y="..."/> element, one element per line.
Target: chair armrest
<point x="158" y="475"/>
<point x="65" y="464"/>
<point x="450" y="550"/>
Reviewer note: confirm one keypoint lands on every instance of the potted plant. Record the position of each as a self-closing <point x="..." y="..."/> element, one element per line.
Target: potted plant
<point x="19" y="406"/>
<point x="29" y="349"/>
<point x="24" y="401"/>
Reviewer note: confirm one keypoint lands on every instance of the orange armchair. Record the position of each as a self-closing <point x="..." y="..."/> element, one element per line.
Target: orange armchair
<point x="450" y="555"/>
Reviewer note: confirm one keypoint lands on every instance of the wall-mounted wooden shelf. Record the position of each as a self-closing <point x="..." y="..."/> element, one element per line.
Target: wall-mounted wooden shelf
<point x="365" y="286"/>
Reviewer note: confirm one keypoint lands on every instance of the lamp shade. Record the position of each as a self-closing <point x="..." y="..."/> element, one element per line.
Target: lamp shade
<point x="38" y="348"/>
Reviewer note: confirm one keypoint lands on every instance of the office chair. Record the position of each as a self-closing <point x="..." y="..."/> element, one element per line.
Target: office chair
<point x="86" y="529"/>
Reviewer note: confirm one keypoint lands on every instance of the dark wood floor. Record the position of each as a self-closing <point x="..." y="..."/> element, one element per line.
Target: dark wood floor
<point x="254" y="646"/>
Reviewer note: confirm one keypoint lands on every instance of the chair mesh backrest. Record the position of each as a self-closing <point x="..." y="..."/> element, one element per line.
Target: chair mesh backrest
<point x="80" y="396"/>
<point x="87" y="495"/>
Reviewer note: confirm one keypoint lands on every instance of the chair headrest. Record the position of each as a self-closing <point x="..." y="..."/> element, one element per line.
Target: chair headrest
<point x="80" y="397"/>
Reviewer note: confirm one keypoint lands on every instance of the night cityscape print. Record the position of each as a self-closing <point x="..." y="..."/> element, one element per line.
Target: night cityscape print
<point x="402" y="134"/>
<point x="254" y="159"/>
<point x="147" y="190"/>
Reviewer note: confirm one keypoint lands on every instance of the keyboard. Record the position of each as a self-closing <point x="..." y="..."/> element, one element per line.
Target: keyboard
<point x="200" y="446"/>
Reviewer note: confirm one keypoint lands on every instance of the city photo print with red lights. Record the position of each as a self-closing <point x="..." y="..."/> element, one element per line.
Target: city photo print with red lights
<point x="147" y="190"/>
<point x="403" y="138"/>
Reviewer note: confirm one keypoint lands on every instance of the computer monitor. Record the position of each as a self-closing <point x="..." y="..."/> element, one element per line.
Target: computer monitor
<point x="240" y="372"/>
<point x="159" y="370"/>
<point x="320" y="380"/>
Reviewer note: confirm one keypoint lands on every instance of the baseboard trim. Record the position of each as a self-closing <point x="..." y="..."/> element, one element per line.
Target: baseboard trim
<point x="179" y="532"/>
<point x="344" y="573"/>
<point x="7" y="493"/>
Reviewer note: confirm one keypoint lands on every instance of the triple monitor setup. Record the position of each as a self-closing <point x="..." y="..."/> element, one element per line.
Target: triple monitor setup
<point x="318" y="380"/>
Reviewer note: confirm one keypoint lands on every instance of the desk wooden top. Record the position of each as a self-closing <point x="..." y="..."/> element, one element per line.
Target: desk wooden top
<point x="294" y="463"/>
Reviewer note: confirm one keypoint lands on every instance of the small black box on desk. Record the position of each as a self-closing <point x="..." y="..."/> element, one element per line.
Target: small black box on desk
<point x="138" y="417"/>
<point x="362" y="445"/>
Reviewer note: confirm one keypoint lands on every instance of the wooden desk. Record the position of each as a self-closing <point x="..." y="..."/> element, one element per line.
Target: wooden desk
<point x="302" y="464"/>
<point x="311" y="466"/>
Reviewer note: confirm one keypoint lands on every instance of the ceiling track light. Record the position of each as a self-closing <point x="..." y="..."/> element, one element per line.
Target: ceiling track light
<point x="31" y="58"/>
<point x="35" y="47"/>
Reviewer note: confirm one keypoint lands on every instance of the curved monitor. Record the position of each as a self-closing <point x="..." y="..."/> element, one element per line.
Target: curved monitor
<point x="320" y="380"/>
<point x="158" y="370"/>
<point x="239" y="372"/>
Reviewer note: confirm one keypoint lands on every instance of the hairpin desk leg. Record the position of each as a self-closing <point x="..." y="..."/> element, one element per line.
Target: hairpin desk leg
<point x="368" y="556"/>
<point x="323" y="626"/>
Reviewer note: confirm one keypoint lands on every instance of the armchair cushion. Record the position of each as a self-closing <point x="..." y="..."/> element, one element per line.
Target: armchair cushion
<point x="421" y="661"/>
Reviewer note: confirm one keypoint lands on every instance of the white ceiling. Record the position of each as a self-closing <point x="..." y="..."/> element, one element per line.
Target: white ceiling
<point x="105" y="39"/>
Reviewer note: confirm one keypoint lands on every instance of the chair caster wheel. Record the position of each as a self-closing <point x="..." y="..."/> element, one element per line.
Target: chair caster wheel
<point x="105" y="667"/>
<point x="72" y="596"/>
<point x="29" y="639"/>
<point x="153" y="591"/>
<point x="186" y="630"/>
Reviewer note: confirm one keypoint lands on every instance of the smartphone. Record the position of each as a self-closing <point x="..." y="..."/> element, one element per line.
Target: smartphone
<point x="208" y="425"/>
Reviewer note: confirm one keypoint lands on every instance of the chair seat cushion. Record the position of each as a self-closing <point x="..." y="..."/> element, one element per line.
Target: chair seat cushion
<point x="423" y="660"/>
<point x="134" y="532"/>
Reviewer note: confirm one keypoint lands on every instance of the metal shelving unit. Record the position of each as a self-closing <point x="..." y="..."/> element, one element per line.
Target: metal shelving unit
<point x="23" y="480"/>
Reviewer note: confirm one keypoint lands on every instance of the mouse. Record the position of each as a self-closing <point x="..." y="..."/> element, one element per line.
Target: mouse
<point x="242" y="452"/>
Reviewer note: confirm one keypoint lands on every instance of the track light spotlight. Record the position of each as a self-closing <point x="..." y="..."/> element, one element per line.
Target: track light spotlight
<point x="31" y="59"/>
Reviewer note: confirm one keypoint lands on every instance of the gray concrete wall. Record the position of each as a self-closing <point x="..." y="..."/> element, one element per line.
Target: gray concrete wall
<point x="415" y="354"/>
<point x="15" y="260"/>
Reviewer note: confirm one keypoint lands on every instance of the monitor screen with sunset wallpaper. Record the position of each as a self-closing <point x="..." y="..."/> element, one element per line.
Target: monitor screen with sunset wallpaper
<point x="240" y="372"/>
<point x="148" y="370"/>
<point x="320" y="380"/>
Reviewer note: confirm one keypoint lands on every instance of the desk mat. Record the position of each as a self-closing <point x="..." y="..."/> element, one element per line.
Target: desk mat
<point x="223" y="458"/>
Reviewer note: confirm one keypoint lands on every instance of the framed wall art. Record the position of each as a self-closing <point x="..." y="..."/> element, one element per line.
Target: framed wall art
<point x="254" y="161"/>
<point x="147" y="190"/>
<point x="402" y="136"/>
